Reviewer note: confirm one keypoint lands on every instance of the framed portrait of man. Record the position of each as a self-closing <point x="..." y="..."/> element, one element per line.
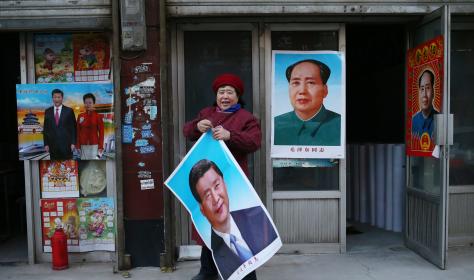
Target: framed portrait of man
<point x="308" y="104"/>
<point x="425" y="95"/>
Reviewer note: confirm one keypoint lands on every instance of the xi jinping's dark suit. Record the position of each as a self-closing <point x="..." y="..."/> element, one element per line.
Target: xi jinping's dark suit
<point x="59" y="137"/>
<point x="257" y="231"/>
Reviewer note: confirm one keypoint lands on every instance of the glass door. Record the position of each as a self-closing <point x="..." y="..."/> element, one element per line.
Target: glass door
<point x="426" y="196"/>
<point x="201" y="52"/>
<point x="306" y="199"/>
<point x="461" y="157"/>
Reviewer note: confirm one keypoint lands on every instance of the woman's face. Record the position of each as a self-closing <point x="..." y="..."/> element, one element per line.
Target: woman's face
<point x="226" y="97"/>
<point x="89" y="104"/>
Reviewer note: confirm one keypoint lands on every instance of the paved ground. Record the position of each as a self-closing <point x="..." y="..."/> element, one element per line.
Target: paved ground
<point x="375" y="254"/>
<point x="387" y="264"/>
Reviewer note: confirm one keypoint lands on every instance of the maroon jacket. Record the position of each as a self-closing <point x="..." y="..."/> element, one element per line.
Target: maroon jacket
<point x="245" y="134"/>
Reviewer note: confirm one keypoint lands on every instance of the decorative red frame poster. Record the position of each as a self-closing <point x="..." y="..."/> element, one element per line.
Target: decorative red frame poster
<point x="424" y="95"/>
<point x="59" y="179"/>
<point x="91" y="57"/>
<point x="61" y="212"/>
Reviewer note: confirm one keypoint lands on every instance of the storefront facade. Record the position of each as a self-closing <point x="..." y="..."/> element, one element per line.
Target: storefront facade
<point x="310" y="205"/>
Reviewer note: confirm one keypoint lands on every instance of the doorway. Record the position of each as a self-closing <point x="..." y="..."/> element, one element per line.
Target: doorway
<point x="375" y="136"/>
<point x="13" y="241"/>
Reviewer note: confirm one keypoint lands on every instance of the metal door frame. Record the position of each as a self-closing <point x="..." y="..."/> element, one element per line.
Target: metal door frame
<point x="272" y="195"/>
<point x="440" y="261"/>
<point x="183" y="221"/>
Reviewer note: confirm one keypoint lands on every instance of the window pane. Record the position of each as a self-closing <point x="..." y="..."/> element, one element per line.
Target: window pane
<point x="305" y="178"/>
<point x="305" y="40"/>
<point x="462" y="82"/>
<point x="208" y="54"/>
<point x="426" y="174"/>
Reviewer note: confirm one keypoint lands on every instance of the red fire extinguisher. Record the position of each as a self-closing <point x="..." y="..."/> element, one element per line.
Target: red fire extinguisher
<point x="59" y="248"/>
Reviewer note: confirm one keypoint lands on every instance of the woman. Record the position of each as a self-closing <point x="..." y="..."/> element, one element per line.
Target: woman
<point x="90" y="130"/>
<point x="239" y="130"/>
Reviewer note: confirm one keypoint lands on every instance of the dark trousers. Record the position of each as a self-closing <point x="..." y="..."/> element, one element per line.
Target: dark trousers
<point x="209" y="268"/>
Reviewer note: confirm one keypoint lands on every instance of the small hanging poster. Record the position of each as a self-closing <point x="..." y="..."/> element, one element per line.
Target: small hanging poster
<point x="59" y="179"/>
<point x="91" y="57"/>
<point x="97" y="224"/>
<point x="53" y="58"/>
<point x="60" y="213"/>
<point x="425" y="75"/>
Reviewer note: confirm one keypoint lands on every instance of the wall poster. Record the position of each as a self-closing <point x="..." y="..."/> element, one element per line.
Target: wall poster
<point x="97" y="224"/>
<point x="424" y="95"/>
<point x="60" y="212"/>
<point x="308" y="104"/>
<point x="83" y="129"/>
<point x="59" y="179"/>
<point x="91" y="57"/>
<point x="54" y="58"/>
<point x="72" y="57"/>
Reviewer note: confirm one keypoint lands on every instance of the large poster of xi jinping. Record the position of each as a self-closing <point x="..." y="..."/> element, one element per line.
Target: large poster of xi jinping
<point x="65" y="121"/>
<point x="225" y="209"/>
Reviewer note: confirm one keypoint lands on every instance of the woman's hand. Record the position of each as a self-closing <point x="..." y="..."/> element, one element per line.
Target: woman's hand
<point x="220" y="133"/>
<point x="204" y="125"/>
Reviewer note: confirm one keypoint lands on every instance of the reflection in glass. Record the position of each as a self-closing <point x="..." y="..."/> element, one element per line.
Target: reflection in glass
<point x="305" y="40"/>
<point x="461" y="162"/>
<point x="429" y="31"/>
<point x="306" y="179"/>
<point x="426" y="174"/>
<point x="208" y="54"/>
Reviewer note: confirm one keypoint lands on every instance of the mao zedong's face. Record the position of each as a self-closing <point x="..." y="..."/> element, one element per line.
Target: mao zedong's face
<point x="425" y="92"/>
<point x="214" y="200"/>
<point x="307" y="90"/>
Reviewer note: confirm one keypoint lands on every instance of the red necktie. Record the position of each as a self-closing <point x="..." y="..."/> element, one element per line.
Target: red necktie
<point x="56" y="116"/>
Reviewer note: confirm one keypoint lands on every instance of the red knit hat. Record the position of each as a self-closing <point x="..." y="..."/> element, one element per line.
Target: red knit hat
<point x="228" y="80"/>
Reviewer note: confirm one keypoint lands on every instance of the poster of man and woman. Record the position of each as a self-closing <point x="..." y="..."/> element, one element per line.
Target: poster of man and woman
<point x="225" y="209"/>
<point x="65" y="121"/>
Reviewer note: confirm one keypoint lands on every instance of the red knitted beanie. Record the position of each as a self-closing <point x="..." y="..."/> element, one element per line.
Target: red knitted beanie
<point x="228" y="80"/>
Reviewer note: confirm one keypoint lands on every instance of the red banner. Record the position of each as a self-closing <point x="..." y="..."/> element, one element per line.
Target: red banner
<point x="424" y="95"/>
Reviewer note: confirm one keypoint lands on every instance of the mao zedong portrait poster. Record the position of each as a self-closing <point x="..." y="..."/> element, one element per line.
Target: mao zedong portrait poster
<point x="225" y="209"/>
<point x="308" y="104"/>
<point x="425" y="94"/>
